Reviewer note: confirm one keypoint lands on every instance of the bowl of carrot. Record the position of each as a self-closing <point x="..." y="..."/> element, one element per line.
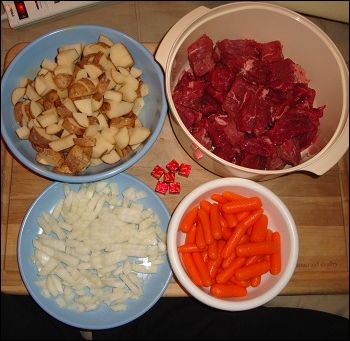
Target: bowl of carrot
<point x="232" y="244"/>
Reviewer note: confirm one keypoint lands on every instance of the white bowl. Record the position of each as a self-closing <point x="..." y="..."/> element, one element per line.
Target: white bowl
<point x="280" y="220"/>
<point x="304" y="42"/>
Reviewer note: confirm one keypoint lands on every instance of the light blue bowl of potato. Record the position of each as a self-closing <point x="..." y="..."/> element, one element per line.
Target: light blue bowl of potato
<point x="27" y="64"/>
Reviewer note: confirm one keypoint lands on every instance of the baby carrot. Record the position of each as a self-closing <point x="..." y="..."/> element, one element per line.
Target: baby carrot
<point x="213" y="250"/>
<point x="268" y="239"/>
<point x="252" y="249"/>
<point x="241" y="283"/>
<point x="189" y="248"/>
<point x="200" y="241"/>
<point x="205" y="222"/>
<point x="205" y="255"/>
<point x="230" y="196"/>
<point x="242" y="215"/>
<point x="248" y="272"/>
<point x="218" y="198"/>
<point x="259" y="229"/>
<point x="202" y="268"/>
<point x="191" y="235"/>
<point x="215" y="222"/>
<point x="188" y="220"/>
<point x="226" y="233"/>
<point x="191" y="268"/>
<point x="228" y="272"/>
<point x="248" y="204"/>
<point x="231" y="219"/>
<point x="227" y="261"/>
<point x="253" y="259"/>
<point x="255" y="281"/>
<point x="275" y="259"/>
<point x="228" y="290"/>
<point x="205" y="205"/>
<point x="214" y="265"/>
<point x="222" y="220"/>
<point x="239" y="231"/>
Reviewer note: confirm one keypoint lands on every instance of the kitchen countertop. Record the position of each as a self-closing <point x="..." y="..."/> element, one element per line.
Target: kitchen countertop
<point x="319" y="204"/>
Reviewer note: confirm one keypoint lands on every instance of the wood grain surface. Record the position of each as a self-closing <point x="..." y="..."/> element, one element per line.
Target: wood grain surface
<point x="319" y="206"/>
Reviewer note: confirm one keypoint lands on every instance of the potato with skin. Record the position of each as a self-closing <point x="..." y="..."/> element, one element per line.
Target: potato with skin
<point x="62" y="80"/>
<point x="38" y="137"/>
<point x="85" y="141"/>
<point x="50" y="157"/>
<point x="120" y="55"/>
<point x="71" y="125"/>
<point x="78" y="158"/>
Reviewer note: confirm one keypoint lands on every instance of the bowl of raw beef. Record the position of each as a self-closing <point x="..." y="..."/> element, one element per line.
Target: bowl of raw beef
<point x="256" y="91"/>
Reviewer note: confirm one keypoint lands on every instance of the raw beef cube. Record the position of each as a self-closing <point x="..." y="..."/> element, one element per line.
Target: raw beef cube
<point x="233" y="53"/>
<point x="256" y="72"/>
<point x="271" y="51"/>
<point x="201" y="135"/>
<point x="216" y="125"/>
<point x="254" y="117"/>
<point x="295" y="122"/>
<point x="305" y="140"/>
<point x="200" y="55"/>
<point x="236" y="96"/>
<point x="209" y="105"/>
<point x="233" y="135"/>
<point x="289" y="151"/>
<point x="228" y="153"/>
<point x="190" y="94"/>
<point x="221" y="78"/>
<point x="285" y="74"/>
<point x="187" y="115"/>
<point x="275" y="163"/>
<point x="303" y="96"/>
<point x="253" y="161"/>
<point x="217" y="95"/>
<point x="261" y="145"/>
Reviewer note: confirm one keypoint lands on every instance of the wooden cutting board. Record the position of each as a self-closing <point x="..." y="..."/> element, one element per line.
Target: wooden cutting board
<point x="319" y="206"/>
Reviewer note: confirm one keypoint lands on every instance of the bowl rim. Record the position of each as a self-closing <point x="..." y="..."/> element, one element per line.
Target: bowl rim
<point x="185" y="280"/>
<point x="49" y="174"/>
<point x="38" y="299"/>
<point x="235" y="7"/>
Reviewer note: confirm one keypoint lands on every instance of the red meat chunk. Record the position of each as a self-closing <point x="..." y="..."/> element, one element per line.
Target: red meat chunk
<point x="216" y="125"/>
<point x="256" y="72"/>
<point x="275" y="163"/>
<point x="189" y="92"/>
<point x="188" y="116"/>
<point x="261" y="145"/>
<point x="221" y="78"/>
<point x="253" y="161"/>
<point x="209" y="105"/>
<point x="289" y="151"/>
<point x="228" y="153"/>
<point x="217" y="95"/>
<point x="235" y="97"/>
<point x="234" y="53"/>
<point x="248" y="105"/>
<point x="271" y="51"/>
<point x="200" y="56"/>
<point x="200" y="133"/>
<point x="285" y="74"/>
<point x="294" y="123"/>
<point x="233" y="135"/>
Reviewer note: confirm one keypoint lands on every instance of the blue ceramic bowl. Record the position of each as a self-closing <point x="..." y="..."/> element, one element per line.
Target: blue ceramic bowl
<point x="104" y="317"/>
<point x="27" y="64"/>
